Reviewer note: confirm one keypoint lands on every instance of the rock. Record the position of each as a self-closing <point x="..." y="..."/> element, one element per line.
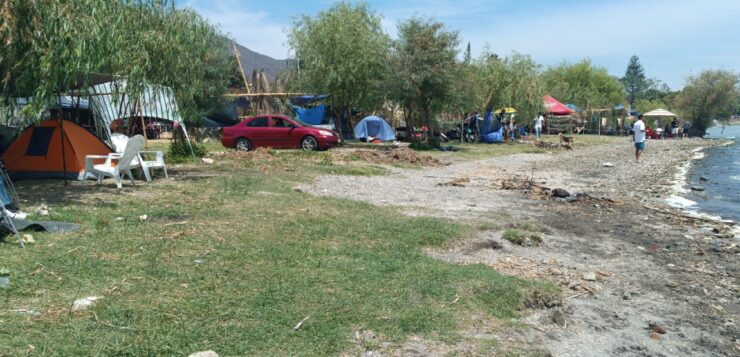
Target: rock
<point x="703" y="178"/>
<point x="558" y="317"/>
<point x="589" y="276"/>
<point x="207" y="161"/>
<point x="560" y="193"/>
<point x="487" y="244"/>
<point x="607" y="164"/>
<point x="697" y="188"/>
<point x="656" y="328"/>
<point x="208" y="353"/>
<point x="654" y="336"/>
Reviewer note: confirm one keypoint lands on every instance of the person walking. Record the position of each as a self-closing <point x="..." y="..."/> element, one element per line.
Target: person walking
<point x="538" y="125"/>
<point x="638" y="136"/>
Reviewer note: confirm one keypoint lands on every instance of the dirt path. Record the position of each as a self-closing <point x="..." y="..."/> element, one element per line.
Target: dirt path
<point x="623" y="267"/>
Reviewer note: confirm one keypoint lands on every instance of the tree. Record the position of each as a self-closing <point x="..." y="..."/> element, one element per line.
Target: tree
<point x="710" y="95"/>
<point x="467" y="57"/>
<point x="343" y="52"/>
<point x="424" y="68"/>
<point x="48" y="45"/>
<point x="511" y="82"/>
<point x="634" y="80"/>
<point x="582" y="83"/>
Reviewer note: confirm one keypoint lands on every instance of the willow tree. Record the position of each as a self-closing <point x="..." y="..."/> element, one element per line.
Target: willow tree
<point x="424" y="68"/>
<point x="710" y="95"/>
<point x="584" y="84"/>
<point x="513" y="81"/>
<point x="51" y="46"/>
<point x="343" y="52"/>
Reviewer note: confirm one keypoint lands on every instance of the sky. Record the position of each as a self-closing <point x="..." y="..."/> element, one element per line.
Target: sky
<point x="673" y="38"/>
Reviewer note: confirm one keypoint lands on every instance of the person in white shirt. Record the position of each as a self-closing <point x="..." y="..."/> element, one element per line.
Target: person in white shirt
<point x="538" y="125"/>
<point x="638" y="136"/>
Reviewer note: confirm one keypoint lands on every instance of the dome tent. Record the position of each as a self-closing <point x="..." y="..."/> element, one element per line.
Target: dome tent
<point x="375" y="127"/>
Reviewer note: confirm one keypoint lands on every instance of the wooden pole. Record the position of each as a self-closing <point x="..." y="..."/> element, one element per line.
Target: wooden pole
<point x="241" y="69"/>
<point x="61" y="137"/>
<point x="143" y="124"/>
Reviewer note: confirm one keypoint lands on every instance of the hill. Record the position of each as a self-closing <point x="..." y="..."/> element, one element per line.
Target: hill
<point x="253" y="61"/>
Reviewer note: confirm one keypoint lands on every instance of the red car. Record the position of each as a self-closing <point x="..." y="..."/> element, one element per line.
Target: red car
<point x="277" y="131"/>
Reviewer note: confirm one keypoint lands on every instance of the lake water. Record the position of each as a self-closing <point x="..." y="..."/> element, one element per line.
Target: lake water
<point x="720" y="166"/>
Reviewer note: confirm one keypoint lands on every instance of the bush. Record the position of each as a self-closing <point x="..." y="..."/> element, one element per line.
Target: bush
<point x="180" y="151"/>
<point x="430" y="144"/>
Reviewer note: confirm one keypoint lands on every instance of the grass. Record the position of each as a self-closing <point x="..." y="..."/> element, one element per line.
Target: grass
<point x="482" y="151"/>
<point x="230" y="258"/>
<point x="524" y="234"/>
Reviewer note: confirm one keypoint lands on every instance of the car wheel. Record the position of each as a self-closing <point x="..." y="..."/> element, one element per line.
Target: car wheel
<point x="309" y="144"/>
<point x="243" y="144"/>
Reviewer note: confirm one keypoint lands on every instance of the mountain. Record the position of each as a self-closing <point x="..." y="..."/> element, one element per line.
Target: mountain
<point x="253" y="61"/>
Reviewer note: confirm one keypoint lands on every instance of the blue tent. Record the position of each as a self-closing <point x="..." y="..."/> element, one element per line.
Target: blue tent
<point x="487" y="134"/>
<point x="376" y="127"/>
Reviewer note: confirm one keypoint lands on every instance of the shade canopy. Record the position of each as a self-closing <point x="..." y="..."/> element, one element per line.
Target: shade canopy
<point x="659" y="113"/>
<point x="554" y="107"/>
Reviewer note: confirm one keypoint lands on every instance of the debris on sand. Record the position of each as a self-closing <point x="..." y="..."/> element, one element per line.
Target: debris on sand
<point x="458" y="182"/>
<point x="523" y="183"/>
<point x="84" y="303"/>
<point x="386" y="157"/>
<point x="560" y="193"/>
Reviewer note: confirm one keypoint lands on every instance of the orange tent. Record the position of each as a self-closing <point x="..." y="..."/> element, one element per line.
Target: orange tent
<point x="38" y="152"/>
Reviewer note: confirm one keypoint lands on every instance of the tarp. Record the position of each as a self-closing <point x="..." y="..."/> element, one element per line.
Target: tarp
<point x="376" y="127"/>
<point x="554" y="107"/>
<point x="313" y="116"/>
<point x="487" y="133"/>
<point x="110" y="101"/>
<point x="573" y="107"/>
<point x="42" y="152"/>
<point x="305" y="99"/>
<point x="659" y="113"/>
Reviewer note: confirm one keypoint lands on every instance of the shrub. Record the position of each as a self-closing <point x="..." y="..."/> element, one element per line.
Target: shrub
<point x="180" y="151"/>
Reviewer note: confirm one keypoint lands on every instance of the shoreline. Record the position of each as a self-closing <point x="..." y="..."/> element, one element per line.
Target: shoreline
<point x="681" y="186"/>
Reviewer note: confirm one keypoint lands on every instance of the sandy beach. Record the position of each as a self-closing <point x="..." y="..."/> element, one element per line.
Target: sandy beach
<point x="638" y="277"/>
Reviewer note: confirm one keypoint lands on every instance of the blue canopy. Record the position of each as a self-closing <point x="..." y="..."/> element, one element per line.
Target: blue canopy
<point x="375" y="127"/>
<point x="313" y="116"/>
<point x="305" y="99"/>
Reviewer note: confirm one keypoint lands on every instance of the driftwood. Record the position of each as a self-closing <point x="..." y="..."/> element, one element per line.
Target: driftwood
<point x="686" y="216"/>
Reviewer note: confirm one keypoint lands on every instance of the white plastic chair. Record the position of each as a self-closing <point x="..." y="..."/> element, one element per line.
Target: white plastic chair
<point x="148" y="165"/>
<point x="119" y="142"/>
<point x="123" y="163"/>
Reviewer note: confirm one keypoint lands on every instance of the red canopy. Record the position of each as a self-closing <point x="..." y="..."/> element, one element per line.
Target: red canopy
<point x="556" y="108"/>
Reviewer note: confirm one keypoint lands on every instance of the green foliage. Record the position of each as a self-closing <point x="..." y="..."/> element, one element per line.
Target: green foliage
<point x="342" y="51"/>
<point x="635" y="83"/>
<point x="511" y="82"/>
<point x="584" y="84"/>
<point x="424" y="68"/>
<point x="522" y="237"/>
<point x="179" y="151"/>
<point x="49" y="47"/>
<point x="708" y="96"/>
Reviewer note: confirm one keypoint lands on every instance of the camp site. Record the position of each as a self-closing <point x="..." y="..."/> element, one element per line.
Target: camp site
<point x="191" y="178"/>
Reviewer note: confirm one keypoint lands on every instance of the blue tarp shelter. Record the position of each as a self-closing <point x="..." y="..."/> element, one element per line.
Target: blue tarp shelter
<point x="573" y="107"/>
<point x="313" y="116"/>
<point x="376" y="127"/>
<point x="488" y="134"/>
<point x="305" y="99"/>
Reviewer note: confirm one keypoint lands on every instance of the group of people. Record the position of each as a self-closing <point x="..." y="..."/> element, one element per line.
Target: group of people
<point x="512" y="129"/>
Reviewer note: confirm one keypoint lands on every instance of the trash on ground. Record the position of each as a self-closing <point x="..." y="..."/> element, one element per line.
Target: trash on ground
<point x="84" y="303"/>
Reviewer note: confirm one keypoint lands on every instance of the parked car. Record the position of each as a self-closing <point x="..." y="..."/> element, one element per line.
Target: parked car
<point x="277" y="131"/>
